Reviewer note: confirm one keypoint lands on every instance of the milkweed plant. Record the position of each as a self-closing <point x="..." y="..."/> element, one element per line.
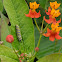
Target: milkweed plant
<point x="17" y="32"/>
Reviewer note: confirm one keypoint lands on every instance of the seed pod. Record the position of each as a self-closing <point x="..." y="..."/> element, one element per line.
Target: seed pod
<point x="9" y="38"/>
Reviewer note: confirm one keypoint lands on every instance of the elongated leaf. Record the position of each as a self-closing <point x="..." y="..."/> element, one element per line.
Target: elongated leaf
<point x="7" y="52"/>
<point x="0" y="59"/>
<point x="7" y="59"/>
<point x="52" y="58"/>
<point x="4" y="30"/>
<point x="31" y="1"/>
<point x="16" y="10"/>
<point x="1" y="6"/>
<point x="0" y="29"/>
<point x="43" y="3"/>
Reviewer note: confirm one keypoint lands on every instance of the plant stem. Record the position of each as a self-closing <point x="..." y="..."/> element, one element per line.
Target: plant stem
<point x="37" y="46"/>
<point x="40" y="34"/>
<point x="45" y="28"/>
<point x="39" y="40"/>
<point x="15" y="52"/>
<point x="60" y="49"/>
<point x="42" y="24"/>
<point x="37" y="25"/>
<point x="55" y="45"/>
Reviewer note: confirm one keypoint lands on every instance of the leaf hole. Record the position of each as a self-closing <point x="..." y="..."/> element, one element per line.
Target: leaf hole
<point x="35" y="59"/>
<point x="9" y="24"/>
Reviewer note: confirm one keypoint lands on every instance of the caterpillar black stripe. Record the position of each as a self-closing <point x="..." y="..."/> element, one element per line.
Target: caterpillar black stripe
<point x="18" y="33"/>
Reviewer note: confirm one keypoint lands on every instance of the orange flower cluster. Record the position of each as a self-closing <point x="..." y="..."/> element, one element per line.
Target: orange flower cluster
<point x="55" y="29"/>
<point x="53" y="13"/>
<point x="32" y="11"/>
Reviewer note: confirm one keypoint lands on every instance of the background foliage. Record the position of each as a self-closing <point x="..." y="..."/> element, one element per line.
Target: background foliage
<point x="15" y="11"/>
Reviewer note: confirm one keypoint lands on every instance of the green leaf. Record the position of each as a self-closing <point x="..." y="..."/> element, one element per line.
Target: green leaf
<point x="1" y="6"/>
<point x="28" y="1"/>
<point x="4" y="30"/>
<point x="16" y="10"/>
<point x="0" y="59"/>
<point x="7" y="59"/>
<point x="0" y="29"/>
<point x="43" y="3"/>
<point x="7" y="52"/>
<point x="52" y="58"/>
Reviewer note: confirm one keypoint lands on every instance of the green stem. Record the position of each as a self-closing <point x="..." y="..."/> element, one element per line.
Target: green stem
<point x="15" y="52"/>
<point x="37" y="46"/>
<point x="39" y="41"/>
<point x="42" y="24"/>
<point x="60" y="49"/>
<point x="37" y="25"/>
<point x="45" y="28"/>
<point x="40" y="35"/>
<point x="55" y="45"/>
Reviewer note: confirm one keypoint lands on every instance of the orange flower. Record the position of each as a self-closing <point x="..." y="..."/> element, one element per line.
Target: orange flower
<point x="51" y="20"/>
<point x="34" y="5"/>
<point x="54" y="5"/>
<point x="54" y="33"/>
<point x="49" y="11"/>
<point x="33" y="14"/>
<point x="55" y="13"/>
<point x="52" y="14"/>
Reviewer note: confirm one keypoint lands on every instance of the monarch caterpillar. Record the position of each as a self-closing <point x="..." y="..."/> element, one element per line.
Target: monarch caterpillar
<point x="18" y="33"/>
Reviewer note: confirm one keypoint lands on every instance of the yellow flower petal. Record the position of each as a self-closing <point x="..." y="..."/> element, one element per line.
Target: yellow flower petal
<point x="55" y="13"/>
<point x="54" y="5"/>
<point x="55" y="27"/>
<point x="34" y="5"/>
<point x="58" y="29"/>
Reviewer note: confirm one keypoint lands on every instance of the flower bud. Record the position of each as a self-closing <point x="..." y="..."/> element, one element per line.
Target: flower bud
<point x="20" y="61"/>
<point x="9" y="38"/>
<point x="22" y="55"/>
<point x="36" y="49"/>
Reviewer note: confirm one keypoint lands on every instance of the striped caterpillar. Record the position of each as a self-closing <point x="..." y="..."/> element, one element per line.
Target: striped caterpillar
<point x="18" y="33"/>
